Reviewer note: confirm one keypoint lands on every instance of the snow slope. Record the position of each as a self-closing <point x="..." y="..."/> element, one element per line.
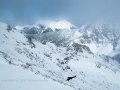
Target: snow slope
<point x="16" y="78"/>
<point x="31" y="59"/>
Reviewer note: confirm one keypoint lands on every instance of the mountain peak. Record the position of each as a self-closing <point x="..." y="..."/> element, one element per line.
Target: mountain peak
<point x="60" y="25"/>
<point x="63" y="24"/>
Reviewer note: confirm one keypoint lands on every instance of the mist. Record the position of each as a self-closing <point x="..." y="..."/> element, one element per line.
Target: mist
<point x="78" y="12"/>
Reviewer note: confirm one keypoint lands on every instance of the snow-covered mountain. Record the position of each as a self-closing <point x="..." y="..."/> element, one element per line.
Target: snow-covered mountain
<point x="102" y="38"/>
<point x="25" y="57"/>
<point x="46" y="26"/>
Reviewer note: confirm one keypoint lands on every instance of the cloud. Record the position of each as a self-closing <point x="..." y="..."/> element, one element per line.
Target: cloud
<point x="76" y="11"/>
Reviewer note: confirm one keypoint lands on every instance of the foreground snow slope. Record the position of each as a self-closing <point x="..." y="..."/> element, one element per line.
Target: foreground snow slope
<point x="16" y="78"/>
<point x="27" y="56"/>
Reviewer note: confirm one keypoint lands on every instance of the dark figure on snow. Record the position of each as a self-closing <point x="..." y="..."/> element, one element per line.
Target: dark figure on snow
<point x="68" y="78"/>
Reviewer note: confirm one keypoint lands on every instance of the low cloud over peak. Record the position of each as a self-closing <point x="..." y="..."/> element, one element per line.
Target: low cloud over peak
<point x="77" y="12"/>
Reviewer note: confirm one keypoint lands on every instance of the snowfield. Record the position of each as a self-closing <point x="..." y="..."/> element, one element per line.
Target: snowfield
<point x="16" y="78"/>
<point x="27" y="64"/>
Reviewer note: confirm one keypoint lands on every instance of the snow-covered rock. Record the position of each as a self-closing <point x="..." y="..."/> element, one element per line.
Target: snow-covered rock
<point x="101" y="37"/>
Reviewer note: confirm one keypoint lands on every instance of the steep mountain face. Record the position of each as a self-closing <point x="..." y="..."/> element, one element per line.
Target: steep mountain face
<point x="55" y="62"/>
<point x="62" y="37"/>
<point x="102" y="38"/>
<point x="61" y="33"/>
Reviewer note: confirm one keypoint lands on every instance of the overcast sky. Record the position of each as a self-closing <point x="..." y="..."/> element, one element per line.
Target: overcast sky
<point x="77" y="12"/>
